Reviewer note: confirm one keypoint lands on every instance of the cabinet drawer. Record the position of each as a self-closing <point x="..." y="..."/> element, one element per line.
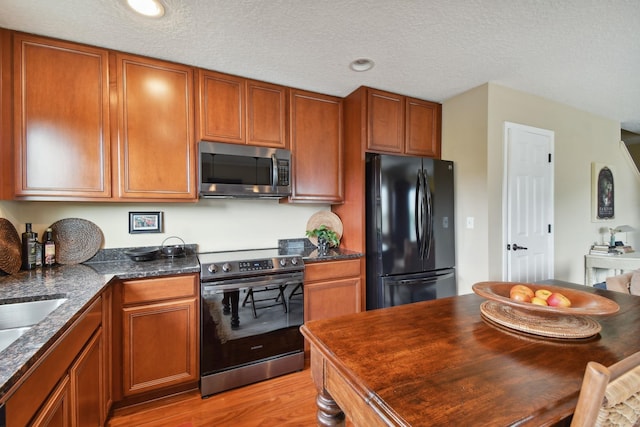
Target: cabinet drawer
<point x="161" y="288"/>
<point x="331" y="270"/>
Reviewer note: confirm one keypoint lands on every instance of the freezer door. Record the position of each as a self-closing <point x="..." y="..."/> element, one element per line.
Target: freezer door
<point x="398" y="290"/>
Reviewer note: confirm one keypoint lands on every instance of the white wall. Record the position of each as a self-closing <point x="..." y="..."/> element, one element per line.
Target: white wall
<point x="464" y="130"/>
<point x="580" y="139"/>
<point x="212" y="224"/>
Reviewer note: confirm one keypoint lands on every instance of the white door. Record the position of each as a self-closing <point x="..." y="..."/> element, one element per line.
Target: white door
<point x="528" y="243"/>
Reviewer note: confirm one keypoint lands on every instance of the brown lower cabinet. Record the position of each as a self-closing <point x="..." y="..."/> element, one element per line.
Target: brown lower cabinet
<point x="67" y="386"/>
<point x="332" y="288"/>
<point x="155" y="337"/>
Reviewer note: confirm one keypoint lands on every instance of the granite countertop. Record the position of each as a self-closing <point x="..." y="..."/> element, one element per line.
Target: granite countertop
<point x="80" y="284"/>
<point x="309" y="252"/>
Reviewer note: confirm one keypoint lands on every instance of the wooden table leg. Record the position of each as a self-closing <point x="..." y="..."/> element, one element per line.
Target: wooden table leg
<point x="329" y="413"/>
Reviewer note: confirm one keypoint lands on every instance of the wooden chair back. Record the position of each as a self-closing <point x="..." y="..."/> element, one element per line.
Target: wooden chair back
<point x="610" y="396"/>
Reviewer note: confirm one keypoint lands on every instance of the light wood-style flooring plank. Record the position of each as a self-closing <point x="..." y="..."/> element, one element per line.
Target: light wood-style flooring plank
<point x="289" y="400"/>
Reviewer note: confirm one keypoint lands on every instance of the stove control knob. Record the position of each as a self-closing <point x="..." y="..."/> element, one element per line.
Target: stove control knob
<point x="226" y="267"/>
<point x="212" y="268"/>
<point x="294" y="261"/>
<point x="283" y="262"/>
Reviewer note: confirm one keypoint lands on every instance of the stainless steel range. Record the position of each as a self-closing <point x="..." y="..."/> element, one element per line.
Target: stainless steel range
<point x="251" y="311"/>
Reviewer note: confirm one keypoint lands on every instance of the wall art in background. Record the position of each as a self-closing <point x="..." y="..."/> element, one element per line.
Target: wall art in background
<point x="603" y="192"/>
<point x="145" y="222"/>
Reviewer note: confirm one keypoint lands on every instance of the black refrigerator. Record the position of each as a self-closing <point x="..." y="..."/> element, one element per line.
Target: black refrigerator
<point x="410" y="234"/>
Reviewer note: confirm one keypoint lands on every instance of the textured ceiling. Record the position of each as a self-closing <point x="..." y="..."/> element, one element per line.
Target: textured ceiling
<point x="584" y="53"/>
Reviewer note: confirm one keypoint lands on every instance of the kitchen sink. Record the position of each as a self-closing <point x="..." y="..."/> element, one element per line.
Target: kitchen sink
<point x="18" y="318"/>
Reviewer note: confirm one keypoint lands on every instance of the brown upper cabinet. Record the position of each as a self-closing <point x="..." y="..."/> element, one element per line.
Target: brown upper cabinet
<point x="155" y="146"/>
<point x="316" y="137"/>
<point x="61" y="112"/>
<point x="397" y="124"/>
<point x="94" y="125"/>
<point x="6" y="117"/>
<point x="241" y="111"/>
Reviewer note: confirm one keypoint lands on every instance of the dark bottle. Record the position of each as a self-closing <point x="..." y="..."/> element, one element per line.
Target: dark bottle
<point x="48" y="249"/>
<point x="28" y="248"/>
<point x="38" y="251"/>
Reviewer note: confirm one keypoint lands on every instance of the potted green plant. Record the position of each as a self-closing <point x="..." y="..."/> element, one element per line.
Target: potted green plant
<point x="326" y="238"/>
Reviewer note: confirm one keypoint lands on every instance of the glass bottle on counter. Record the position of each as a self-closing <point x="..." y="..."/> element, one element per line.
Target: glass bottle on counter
<point x="48" y="249"/>
<point x="38" y="251"/>
<point x="28" y="248"/>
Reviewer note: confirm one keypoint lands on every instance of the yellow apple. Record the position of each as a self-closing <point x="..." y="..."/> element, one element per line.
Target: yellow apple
<point x="538" y="301"/>
<point x="556" y="299"/>
<point x="521" y="288"/>
<point x="543" y="293"/>
<point x="520" y="296"/>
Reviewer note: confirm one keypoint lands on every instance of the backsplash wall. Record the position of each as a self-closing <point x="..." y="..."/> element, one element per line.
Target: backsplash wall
<point x="213" y="225"/>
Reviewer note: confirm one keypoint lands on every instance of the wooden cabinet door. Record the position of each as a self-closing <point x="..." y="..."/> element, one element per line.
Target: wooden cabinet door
<point x="332" y="298"/>
<point x="423" y="134"/>
<point x="385" y="127"/>
<point x="332" y="288"/>
<point x="316" y="147"/>
<point x="156" y="151"/>
<point x="6" y="115"/>
<point x="221" y="107"/>
<point x="266" y="114"/>
<point x="159" y="345"/>
<point x="87" y="384"/>
<point x="61" y="112"/>
<point x="55" y="411"/>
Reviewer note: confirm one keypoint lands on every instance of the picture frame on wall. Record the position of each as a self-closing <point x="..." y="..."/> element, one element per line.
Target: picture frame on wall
<point x="145" y="222"/>
<point x="602" y="192"/>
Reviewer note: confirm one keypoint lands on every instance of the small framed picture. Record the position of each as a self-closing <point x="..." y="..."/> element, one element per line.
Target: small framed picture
<point x="145" y="222"/>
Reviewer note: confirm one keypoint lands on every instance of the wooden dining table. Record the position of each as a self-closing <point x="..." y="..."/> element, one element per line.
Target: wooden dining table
<point x="440" y="363"/>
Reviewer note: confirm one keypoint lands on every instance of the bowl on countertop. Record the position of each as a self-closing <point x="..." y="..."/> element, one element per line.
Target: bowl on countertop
<point x="142" y="254"/>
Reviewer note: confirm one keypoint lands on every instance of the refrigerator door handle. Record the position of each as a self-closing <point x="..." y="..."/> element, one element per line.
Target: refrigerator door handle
<point x="418" y="281"/>
<point x="419" y="214"/>
<point x="429" y="215"/>
<point x="425" y="236"/>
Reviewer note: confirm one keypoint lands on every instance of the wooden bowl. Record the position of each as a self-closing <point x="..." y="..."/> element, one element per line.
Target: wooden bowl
<point x="582" y="303"/>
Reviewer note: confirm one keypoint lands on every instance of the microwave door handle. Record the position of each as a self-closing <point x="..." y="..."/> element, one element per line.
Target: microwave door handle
<point x="275" y="175"/>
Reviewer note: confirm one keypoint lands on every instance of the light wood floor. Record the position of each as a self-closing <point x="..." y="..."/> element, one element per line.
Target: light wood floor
<point x="289" y="400"/>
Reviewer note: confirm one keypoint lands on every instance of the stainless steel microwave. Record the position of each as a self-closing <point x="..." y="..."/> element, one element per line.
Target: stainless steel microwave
<point x="233" y="170"/>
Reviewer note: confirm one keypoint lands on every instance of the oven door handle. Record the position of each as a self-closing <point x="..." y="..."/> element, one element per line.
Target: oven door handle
<point x="251" y="282"/>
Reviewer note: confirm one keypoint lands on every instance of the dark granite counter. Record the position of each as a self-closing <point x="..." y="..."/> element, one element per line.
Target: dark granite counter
<point x="80" y="284"/>
<point x="334" y="254"/>
<point x="309" y="252"/>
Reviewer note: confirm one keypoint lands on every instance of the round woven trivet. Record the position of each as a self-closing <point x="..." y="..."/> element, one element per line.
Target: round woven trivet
<point x="537" y="323"/>
<point x="76" y="239"/>
<point x="10" y="248"/>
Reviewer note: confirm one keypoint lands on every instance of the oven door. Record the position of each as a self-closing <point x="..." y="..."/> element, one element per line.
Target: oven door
<point x="244" y="321"/>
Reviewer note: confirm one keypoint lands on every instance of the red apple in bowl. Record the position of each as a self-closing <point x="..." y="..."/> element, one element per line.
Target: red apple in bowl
<point x="520" y="296"/>
<point x="556" y="299"/>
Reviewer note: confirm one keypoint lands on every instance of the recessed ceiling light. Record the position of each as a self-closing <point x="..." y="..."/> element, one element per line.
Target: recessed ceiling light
<point x="152" y="8"/>
<point x="361" y="64"/>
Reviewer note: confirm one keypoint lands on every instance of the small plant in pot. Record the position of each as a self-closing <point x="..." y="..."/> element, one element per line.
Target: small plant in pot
<point x="326" y="238"/>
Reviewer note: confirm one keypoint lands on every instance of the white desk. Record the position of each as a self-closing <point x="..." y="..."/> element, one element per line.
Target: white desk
<point x="618" y="263"/>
